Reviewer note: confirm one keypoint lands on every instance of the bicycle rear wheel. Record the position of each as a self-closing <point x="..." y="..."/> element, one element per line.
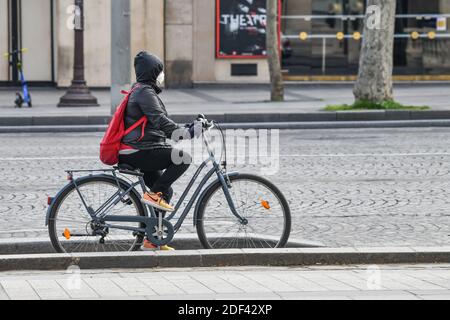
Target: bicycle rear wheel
<point x="267" y="214"/>
<point x="71" y="228"/>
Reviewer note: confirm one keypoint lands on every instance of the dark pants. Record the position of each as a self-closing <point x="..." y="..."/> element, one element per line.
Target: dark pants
<point x="159" y="170"/>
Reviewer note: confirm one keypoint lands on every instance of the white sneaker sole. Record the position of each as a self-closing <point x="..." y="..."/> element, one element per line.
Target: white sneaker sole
<point x="154" y="205"/>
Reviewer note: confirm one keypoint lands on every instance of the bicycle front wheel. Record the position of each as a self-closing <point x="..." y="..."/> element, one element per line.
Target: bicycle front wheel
<point x="259" y="202"/>
<point x="72" y="229"/>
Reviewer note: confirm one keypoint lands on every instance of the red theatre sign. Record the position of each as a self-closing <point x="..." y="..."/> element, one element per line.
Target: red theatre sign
<point x="241" y="28"/>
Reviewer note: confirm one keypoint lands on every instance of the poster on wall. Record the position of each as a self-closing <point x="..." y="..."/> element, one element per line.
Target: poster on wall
<point x="241" y="28"/>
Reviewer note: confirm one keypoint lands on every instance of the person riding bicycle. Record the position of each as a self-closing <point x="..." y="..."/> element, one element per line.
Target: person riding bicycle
<point x="148" y="150"/>
<point x="103" y="216"/>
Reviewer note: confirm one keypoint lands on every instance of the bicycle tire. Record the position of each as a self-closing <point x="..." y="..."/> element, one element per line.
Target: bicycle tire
<point x="270" y="186"/>
<point x="80" y="182"/>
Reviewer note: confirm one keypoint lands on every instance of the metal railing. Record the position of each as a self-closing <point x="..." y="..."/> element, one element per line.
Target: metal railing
<point x="417" y="16"/>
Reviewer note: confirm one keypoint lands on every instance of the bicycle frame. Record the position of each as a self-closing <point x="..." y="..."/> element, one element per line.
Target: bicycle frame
<point x="150" y="221"/>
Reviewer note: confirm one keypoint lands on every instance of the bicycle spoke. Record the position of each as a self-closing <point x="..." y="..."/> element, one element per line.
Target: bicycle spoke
<point x="70" y="220"/>
<point x="226" y="231"/>
<point x="72" y="216"/>
<point x="255" y="202"/>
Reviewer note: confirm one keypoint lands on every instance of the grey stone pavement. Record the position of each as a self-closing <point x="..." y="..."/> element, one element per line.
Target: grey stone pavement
<point x="346" y="187"/>
<point x="387" y="282"/>
<point x="300" y="98"/>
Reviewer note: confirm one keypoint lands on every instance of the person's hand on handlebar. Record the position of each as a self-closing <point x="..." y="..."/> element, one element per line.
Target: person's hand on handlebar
<point x="195" y="129"/>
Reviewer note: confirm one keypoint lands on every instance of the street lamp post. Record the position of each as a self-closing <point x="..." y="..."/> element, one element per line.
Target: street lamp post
<point x="78" y="94"/>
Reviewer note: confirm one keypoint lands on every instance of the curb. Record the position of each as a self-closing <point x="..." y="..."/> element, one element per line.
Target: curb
<point x="33" y="246"/>
<point x="228" y="257"/>
<point x="250" y="125"/>
<point x="319" y="116"/>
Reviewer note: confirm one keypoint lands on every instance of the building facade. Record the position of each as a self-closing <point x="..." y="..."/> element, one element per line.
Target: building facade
<point x="208" y="41"/>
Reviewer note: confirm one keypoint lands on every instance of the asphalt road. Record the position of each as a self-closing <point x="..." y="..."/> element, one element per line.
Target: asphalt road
<point x="359" y="187"/>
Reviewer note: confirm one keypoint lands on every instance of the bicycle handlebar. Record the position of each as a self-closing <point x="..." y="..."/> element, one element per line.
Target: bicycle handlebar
<point x="207" y="124"/>
<point x="8" y="54"/>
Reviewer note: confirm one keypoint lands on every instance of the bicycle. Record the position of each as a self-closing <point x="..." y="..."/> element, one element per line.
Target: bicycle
<point x="233" y="211"/>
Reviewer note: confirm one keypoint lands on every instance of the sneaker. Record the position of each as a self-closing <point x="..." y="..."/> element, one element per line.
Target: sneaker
<point x="148" y="246"/>
<point x="156" y="200"/>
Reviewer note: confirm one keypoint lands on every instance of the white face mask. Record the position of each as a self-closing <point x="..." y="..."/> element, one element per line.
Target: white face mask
<point x="160" y="79"/>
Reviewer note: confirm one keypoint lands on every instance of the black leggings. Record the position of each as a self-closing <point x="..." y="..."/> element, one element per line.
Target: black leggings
<point x="153" y="162"/>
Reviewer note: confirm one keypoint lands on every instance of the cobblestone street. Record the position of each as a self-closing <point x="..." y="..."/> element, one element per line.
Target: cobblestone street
<point x="360" y="187"/>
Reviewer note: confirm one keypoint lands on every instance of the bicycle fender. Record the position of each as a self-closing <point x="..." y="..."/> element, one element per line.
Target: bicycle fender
<point x="202" y="195"/>
<point x="50" y="207"/>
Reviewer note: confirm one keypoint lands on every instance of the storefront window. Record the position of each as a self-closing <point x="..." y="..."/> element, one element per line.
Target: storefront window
<point x="323" y="53"/>
<point x="421" y="56"/>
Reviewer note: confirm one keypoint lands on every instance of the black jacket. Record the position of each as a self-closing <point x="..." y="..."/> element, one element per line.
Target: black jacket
<point x="145" y="101"/>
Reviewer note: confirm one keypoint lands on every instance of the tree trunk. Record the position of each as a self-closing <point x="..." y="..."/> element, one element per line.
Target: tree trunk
<point x="374" y="81"/>
<point x="273" y="53"/>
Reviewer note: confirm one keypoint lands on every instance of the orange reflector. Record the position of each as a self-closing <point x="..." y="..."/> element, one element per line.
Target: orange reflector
<point x="265" y="204"/>
<point x="66" y="234"/>
<point x="49" y="200"/>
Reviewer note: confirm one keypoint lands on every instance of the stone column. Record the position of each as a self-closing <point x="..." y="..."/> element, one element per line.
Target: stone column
<point x="120" y="50"/>
<point x="178" y="34"/>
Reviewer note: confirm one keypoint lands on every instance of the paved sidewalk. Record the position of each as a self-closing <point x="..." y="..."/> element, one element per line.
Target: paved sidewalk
<point x="300" y="98"/>
<point x="415" y="282"/>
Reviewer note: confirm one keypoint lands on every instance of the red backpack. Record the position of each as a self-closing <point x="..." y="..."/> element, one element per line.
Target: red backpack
<point x="112" y="140"/>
